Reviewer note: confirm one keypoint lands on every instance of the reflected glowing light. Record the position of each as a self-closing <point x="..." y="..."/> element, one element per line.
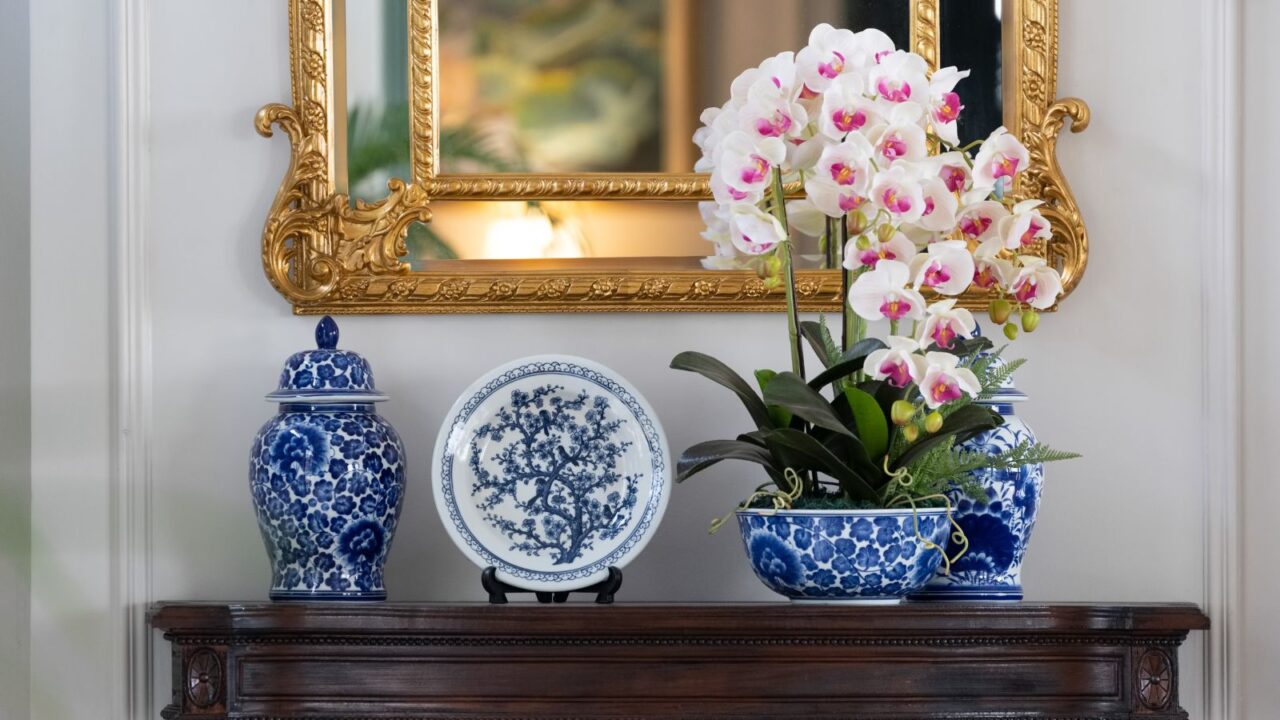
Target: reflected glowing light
<point x="533" y="234"/>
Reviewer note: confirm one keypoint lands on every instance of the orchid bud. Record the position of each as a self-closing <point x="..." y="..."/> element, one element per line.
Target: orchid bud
<point x="1000" y="310"/>
<point x="911" y="433"/>
<point x="901" y="412"/>
<point x="857" y="222"/>
<point x="1011" y="331"/>
<point x="1030" y="320"/>
<point x="933" y="422"/>
<point x="886" y="233"/>
<point x="773" y="266"/>
<point x="863" y="242"/>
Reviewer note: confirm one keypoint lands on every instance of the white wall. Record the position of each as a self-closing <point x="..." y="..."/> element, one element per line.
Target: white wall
<point x="15" y="358"/>
<point x="1261" y="185"/>
<point x="1113" y="375"/>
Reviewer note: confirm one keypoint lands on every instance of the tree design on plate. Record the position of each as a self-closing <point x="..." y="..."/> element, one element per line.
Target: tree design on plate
<point x="554" y="486"/>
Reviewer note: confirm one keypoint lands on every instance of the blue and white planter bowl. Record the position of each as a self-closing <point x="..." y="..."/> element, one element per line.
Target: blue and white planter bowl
<point x="872" y="557"/>
<point x="998" y="529"/>
<point x="327" y="476"/>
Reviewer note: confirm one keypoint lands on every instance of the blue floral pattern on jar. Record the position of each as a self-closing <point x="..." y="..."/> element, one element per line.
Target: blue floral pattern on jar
<point x="327" y="476"/>
<point x="860" y="556"/>
<point x="998" y="528"/>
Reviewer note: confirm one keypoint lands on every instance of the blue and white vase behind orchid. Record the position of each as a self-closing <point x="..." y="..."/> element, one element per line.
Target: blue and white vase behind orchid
<point x="859" y="481"/>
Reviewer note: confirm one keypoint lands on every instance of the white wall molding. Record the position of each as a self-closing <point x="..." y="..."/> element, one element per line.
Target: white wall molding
<point x="1222" y="288"/>
<point x="132" y="484"/>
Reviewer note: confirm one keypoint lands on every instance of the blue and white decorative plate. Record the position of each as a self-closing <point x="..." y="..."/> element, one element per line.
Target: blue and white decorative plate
<point x="551" y="469"/>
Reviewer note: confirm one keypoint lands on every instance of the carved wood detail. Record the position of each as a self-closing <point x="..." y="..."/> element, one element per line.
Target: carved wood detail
<point x="663" y="662"/>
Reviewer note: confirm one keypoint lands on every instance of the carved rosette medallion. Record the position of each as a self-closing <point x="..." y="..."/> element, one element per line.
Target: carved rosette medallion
<point x="204" y="678"/>
<point x="1155" y="679"/>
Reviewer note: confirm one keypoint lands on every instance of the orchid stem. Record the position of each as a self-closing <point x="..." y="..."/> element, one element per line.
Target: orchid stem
<point x="846" y="312"/>
<point x="788" y="267"/>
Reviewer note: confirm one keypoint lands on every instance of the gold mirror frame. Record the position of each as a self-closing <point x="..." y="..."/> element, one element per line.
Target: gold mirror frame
<point x="326" y="256"/>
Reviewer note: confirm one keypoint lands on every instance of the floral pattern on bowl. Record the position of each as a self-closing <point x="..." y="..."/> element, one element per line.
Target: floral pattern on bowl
<point x="868" y="556"/>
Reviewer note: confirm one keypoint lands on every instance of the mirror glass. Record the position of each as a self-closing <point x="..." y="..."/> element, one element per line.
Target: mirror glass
<point x="579" y="86"/>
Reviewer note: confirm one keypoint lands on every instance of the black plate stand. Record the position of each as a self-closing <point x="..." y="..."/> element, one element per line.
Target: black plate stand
<point x="499" y="590"/>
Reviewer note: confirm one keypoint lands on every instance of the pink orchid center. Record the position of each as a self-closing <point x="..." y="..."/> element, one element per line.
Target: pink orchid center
<point x="756" y="171"/>
<point x="871" y="256"/>
<point x="846" y="121"/>
<point x="949" y="111"/>
<point x="1004" y="166"/>
<point x="893" y="147"/>
<point x="897" y="373"/>
<point x="894" y="91"/>
<point x="936" y="274"/>
<point x="896" y="203"/>
<point x="851" y="202"/>
<point x="895" y="308"/>
<point x="929" y="206"/>
<point x="1033" y="230"/>
<point x="833" y="68"/>
<point x="842" y="174"/>
<point x="882" y="55"/>
<point x="954" y="177"/>
<point x="945" y="390"/>
<point x="1026" y="291"/>
<point x="943" y="334"/>
<point x="975" y="226"/>
<point x="778" y="126"/>
<point x="737" y="194"/>
<point x="984" y="277"/>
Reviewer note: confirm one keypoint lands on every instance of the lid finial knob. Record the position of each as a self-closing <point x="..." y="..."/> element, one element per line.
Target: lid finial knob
<point x="327" y="334"/>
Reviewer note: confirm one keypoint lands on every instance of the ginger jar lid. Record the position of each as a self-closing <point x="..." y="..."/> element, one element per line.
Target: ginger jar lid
<point x="326" y="374"/>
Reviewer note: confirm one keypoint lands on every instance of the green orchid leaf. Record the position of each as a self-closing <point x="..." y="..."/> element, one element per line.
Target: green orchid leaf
<point x="873" y="429"/>
<point x="722" y="374"/>
<point x="816" y="456"/>
<point x="791" y="392"/>
<point x="960" y="425"/>
<point x="705" y="454"/>
<point x="819" y="338"/>
<point x="780" y="417"/>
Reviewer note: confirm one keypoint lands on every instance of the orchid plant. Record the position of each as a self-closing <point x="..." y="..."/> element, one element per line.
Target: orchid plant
<point x="854" y="122"/>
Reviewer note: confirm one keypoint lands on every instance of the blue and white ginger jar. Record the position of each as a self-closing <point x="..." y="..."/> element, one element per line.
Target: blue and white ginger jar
<point x="327" y="476"/>
<point x="874" y="557"/>
<point x="1000" y="528"/>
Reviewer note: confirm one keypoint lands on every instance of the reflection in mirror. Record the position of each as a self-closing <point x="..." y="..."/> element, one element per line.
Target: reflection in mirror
<point x="573" y="86"/>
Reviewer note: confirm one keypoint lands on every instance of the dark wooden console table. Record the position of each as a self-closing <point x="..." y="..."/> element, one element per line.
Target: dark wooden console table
<point x="585" y="661"/>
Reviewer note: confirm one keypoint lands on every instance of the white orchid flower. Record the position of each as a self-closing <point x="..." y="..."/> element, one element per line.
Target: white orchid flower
<point x="897" y="191"/>
<point x="832" y="199"/>
<point x="943" y="323"/>
<point x="882" y="293"/>
<point x="754" y="231"/>
<point x="990" y="270"/>
<point x="718" y="123"/>
<point x="900" y="77"/>
<point x="980" y="221"/>
<point x="1037" y="284"/>
<point x="903" y="138"/>
<point x="947" y="268"/>
<point x="745" y="167"/>
<point x="999" y="160"/>
<point x="1025" y="226"/>
<point x="954" y="171"/>
<point x="940" y="206"/>
<point x="944" y="103"/>
<point x="899" y="248"/>
<point x="945" y="381"/>
<point x="845" y="109"/>
<point x="803" y="153"/>
<point x="842" y="177"/>
<point x="900" y="363"/>
<point x="805" y="217"/>
<point x="829" y="54"/>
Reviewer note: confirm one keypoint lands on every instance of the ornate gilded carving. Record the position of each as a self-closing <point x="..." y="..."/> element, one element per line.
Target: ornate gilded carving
<point x="926" y="31"/>
<point x="327" y="255"/>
